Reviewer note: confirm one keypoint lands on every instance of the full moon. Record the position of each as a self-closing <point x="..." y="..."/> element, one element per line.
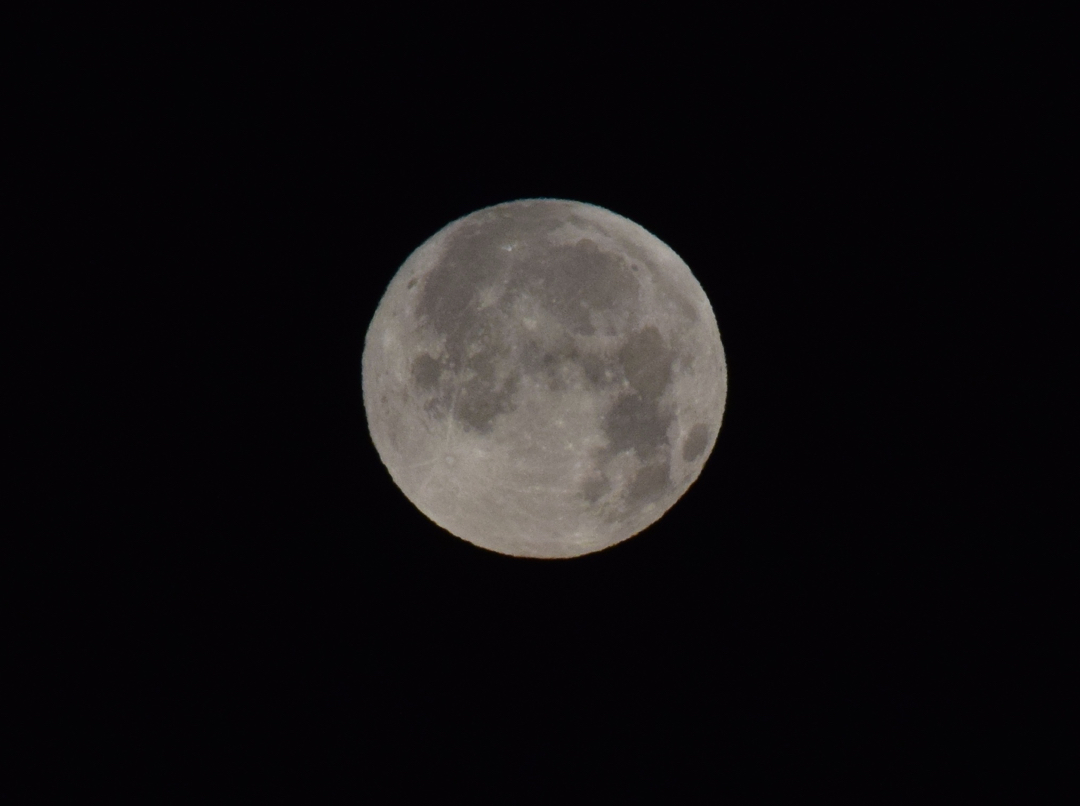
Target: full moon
<point x="544" y="378"/>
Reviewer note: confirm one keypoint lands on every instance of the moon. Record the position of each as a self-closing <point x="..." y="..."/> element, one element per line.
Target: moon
<point x="544" y="378"/>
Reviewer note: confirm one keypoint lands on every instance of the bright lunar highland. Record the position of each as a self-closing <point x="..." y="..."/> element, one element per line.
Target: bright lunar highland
<point x="544" y="378"/>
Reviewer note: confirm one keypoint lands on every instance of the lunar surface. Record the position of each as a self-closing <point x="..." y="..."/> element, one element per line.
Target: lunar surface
<point x="544" y="378"/>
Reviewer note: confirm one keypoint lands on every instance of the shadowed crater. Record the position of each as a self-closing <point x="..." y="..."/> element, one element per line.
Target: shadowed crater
<point x="647" y="363"/>
<point x="695" y="442"/>
<point x="426" y="371"/>
<point x="476" y="383"/>
<point x="482" y="399"/>
<point x="649" y="484"/>
<point x="593" y="489"/>
<point x="477" y="257"/>
<point x="634" y="422"/>
<point x="572" y="280"/>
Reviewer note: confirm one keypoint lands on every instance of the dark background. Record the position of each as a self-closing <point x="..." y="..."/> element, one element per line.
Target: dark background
<point x="251" y="580"/>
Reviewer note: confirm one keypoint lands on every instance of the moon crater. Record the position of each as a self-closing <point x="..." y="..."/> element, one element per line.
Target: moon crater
<point x="544" y="378"/>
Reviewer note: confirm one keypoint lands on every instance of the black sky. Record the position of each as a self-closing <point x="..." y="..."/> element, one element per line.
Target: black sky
<point x="244" y="206"/>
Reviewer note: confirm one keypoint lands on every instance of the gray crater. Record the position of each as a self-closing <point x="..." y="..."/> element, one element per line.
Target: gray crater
<point x="635" y="423"/>
<point x="572" y="280"/>
<point x="426" y="370"/>
<point x="649" y="484"/>
<point x="646" y="363"/>
<point x="695" y="443"/>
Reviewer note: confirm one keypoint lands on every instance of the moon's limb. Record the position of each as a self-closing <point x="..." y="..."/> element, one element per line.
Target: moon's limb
<point x="544" y="378"/>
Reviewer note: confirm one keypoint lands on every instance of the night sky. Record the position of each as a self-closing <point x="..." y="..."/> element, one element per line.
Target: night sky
<point x="257" y="581"/>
